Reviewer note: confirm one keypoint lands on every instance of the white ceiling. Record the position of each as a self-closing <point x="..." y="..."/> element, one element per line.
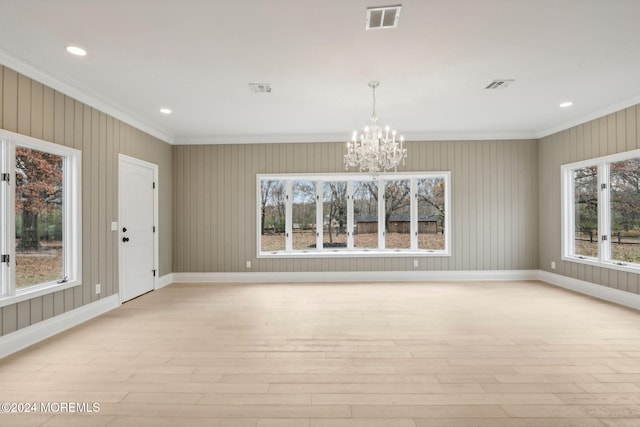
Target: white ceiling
<point x="198" y="56"/>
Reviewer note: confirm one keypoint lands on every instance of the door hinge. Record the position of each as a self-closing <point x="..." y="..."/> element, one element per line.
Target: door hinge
<point x="5" y="177"/>
<point x="154" y="185"/>
<point x="154" y="273"/>
<point x="604" y="237"/>
<point x="154" y="228"/>
<point x="5" y="258"/>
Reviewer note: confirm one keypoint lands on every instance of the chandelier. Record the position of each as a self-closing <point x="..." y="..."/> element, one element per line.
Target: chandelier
<point x="376" y="149"/>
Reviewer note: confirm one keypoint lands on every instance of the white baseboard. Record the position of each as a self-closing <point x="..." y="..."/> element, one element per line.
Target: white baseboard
<point x="30" y="335"/>
<point x="617" y="296"/>
<point x="165" y="280"/>
<point x="355" y="276"/>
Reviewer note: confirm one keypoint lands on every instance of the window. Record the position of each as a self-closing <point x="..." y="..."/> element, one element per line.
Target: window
<point x="40" y="217"/>
<point x="353" y="214"/>
<point x="601" y="211"/>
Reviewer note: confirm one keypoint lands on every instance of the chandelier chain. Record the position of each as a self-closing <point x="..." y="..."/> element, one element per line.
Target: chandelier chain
<point x="373" y="114"/>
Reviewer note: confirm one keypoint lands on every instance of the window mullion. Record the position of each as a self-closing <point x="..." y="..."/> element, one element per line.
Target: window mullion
<point x="381" y="215"/>
<point x="447" y="212"/>
<point x="350" y="225"/>
<point x="319" y="215"/>
<point x="413" y="210"/>
<point x="4" y="223"/>
<point x="604" y="217"/>
<point x="10" y="224"/>
<point x="288" y="216"/>
<point x="568" y="200"/>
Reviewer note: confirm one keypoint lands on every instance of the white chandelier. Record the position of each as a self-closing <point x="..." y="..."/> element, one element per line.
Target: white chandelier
<point x="376" y="150"/>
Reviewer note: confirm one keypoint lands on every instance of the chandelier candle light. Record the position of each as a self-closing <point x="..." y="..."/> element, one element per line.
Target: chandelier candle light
<point x="376" y="150"/>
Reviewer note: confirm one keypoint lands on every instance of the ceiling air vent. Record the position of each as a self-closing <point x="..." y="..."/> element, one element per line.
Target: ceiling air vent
<point x="260" y="87"/>
<point x="499" y="84"/>
<point x="382" y="17"/>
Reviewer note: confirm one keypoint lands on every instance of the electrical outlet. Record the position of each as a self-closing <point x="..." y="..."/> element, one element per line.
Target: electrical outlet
<point x="415" y="263"/>
<point x="248" y="264"/>
<point x="98" y="288"/>
<point x="553" y="265"/>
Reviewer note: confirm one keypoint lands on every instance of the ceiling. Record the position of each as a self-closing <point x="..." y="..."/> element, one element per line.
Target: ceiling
<point x="197" y="57"/>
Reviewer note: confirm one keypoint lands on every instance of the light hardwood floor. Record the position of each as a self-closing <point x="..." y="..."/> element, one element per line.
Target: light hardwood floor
<point x="484" y="354"/>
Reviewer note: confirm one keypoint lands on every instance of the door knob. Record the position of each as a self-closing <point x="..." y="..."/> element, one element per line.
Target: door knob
<point x="125" y="239"/>
<point x="124" y="229"/>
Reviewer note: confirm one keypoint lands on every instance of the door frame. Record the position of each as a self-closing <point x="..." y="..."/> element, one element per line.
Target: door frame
<point x="138" y="162"/>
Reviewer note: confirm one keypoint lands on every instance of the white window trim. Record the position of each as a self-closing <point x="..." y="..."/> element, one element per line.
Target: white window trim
<point x="72" y="227"/>
<point x="350" y="251"/>
<point x="604" y="212"/>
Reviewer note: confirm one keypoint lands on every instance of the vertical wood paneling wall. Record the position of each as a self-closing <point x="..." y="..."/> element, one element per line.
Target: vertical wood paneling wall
<point x="611" y="134"/>
<point x="494" y="205"/>
<point x="30" y="108"/>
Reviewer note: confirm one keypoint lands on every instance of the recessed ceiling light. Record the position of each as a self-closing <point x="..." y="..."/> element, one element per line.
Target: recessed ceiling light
<point x="165" y="110"/>
<point x="75" y="50"/>
<point x="566" y="104"/>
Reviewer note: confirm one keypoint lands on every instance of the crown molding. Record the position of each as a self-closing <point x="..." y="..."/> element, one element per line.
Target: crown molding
<point x="343" y="137"/>
<point x="82" y="94"/>
<point x="260" y="139"/>
<point x="613" y="108"/>
<point x="467" y="136"/>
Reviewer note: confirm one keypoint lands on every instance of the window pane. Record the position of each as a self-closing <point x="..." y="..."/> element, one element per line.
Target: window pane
<point x="585" y="181"/>
<point x="39" y="217"/>
<point x="273" y="203"/>
<point x="625" y="210"/>
<point x="334" y="215"/>
<point x="431" y="213"/>
<point x="365" y="215"/>
<point x="304" y="215"/>
<point x="397" y="202"/>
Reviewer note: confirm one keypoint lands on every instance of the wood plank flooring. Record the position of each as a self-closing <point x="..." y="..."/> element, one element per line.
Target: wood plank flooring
<point x="483" y="354"/>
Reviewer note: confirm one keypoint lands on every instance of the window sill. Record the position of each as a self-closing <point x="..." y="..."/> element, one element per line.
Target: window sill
<point x="630" y="268"/>
<point x="355" y="254"/>
<point x="36" y="291"/>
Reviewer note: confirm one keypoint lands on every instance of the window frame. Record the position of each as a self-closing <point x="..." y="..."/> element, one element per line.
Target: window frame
<point x="603" y="258"/>
<point x="72" y="217"/>
<point x="349" y="251"/>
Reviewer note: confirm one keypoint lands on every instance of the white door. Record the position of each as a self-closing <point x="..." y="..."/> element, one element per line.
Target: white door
<point x="136" y="227"/>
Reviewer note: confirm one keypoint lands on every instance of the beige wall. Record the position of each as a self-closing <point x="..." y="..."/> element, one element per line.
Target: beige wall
<point x="30" y="108"/>
<point x="494" y="204"/>
<point x="611" y="134"/>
